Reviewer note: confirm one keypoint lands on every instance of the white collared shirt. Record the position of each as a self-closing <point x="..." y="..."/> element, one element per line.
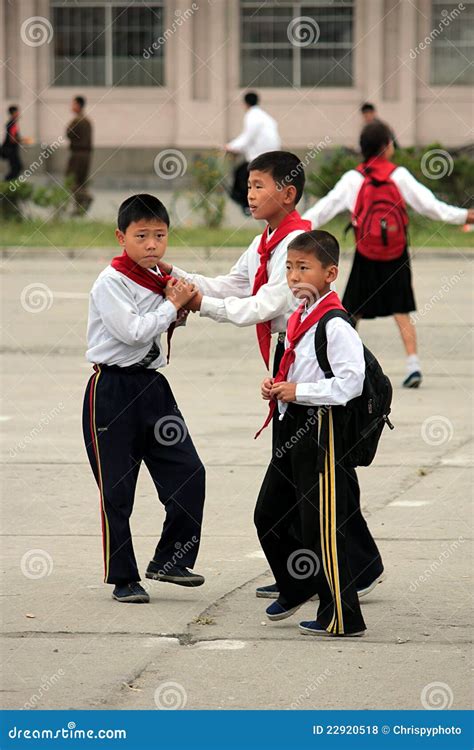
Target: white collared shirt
<point x="229" y="299"/>
<point x="260" y="134"/>
<point x="343" y="197"/>
<point x="346" y="358"/>
<point x="125" y="320"/>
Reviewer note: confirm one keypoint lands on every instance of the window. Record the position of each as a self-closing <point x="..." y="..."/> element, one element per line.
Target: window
<point x="296" y="43"/>
<point x="452" y="43"/>
<point x="107" y="43"/>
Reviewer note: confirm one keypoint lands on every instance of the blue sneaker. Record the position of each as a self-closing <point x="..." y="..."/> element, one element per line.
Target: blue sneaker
<point x="132" y="593"/>
<point x="370" y="587"/>
<point x="312" y="627"/>
<point x="268" y="592"/>
<point x="278" y="611"/>
<point x="413" y="380"/>
<point x="273" y="592"/>
<point x="175" y="574"/>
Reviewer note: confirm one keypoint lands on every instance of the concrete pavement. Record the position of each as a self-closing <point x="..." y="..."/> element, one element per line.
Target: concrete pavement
<point x="66" y="644"/>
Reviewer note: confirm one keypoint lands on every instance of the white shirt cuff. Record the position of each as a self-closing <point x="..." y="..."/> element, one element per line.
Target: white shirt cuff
<point x="213" y="308"/>
<point x="169" y="310"/>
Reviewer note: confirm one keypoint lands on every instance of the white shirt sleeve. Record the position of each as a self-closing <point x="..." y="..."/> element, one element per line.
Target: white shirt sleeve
<point x="120" y="315"/>
<point x="244" y="140"/>
<point x="272" y="299"/>
<point x="346" y="357"/>
<point x="340" y="198"/>
<point x="422" y="200"/>
<point x="236" y="282"/>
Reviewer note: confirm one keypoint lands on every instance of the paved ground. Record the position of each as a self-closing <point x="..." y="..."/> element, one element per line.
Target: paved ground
<point x="68" y="645"/>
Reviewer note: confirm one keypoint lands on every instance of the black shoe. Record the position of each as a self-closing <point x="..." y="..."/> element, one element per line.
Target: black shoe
<point x="413" y="380"/>
<point x="132" y="593"/>
<point x="174" y="574"/>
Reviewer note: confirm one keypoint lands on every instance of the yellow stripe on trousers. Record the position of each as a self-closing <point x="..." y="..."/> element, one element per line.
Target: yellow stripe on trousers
<point x="324" y="518"/>
<point x="327" y="496"/>
<point x="106" y="530"/>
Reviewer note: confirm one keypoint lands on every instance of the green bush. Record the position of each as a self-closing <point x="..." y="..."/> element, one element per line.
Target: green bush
<point x="454" y="187"/>
<point x="208" y="197"/>
<point x="17" y="197"/>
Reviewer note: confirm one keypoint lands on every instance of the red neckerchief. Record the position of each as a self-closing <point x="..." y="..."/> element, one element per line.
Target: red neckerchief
<point x="146" y="278"/>
<point x="295" y="331"/>
<point x="377" y="167"/>
<point x="290" y="223"/>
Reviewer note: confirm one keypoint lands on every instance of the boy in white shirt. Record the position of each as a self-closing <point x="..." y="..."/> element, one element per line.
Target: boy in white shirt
<point x="130" y="415"/>
<point x="307" y="479"/>
<point x="380" y="281"/>
<point x="256" y="292"/>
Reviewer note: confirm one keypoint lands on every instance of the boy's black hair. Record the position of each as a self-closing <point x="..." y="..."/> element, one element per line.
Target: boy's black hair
<point x="141" y="206"/>
<point x="319" y="243"/>
<point x="13" y="109"/>
<point x="81" y="101"/>
<point x="367" y="107"/>
<point x="251" y="98"/>
<point x="374" y="138"/>
<point x="285" y="168"/>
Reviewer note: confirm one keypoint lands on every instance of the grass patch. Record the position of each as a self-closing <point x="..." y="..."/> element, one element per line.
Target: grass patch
<point x="83" y="233"/>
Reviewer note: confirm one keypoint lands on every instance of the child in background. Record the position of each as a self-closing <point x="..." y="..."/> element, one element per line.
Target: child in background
<point x="380" y="280"/>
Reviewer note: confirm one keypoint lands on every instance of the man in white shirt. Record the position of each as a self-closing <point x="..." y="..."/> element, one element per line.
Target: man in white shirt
<point x="260" y="134"/>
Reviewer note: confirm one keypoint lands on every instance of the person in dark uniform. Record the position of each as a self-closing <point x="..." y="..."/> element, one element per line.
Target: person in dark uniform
<point x="369" y="114"/>
<point x="79" y="133"/>
<point x="11" y="144"/>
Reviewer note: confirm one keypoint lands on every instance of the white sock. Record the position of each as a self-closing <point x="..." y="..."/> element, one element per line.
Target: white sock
<point x="413" y="364"/>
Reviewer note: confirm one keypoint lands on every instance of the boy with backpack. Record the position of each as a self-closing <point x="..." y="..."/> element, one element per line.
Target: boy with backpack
<point x="329" y="392"/>
<point x="376" y="193"/>
<point x="255" y="292"/>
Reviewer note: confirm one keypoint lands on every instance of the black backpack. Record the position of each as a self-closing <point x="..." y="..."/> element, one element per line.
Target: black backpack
<point x="367" y="414"/>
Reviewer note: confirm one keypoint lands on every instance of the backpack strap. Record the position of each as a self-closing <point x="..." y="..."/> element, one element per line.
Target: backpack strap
<point x="321" y="341"/>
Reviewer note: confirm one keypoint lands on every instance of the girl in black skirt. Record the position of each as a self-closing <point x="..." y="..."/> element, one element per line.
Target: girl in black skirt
<point x="376" y="192"/>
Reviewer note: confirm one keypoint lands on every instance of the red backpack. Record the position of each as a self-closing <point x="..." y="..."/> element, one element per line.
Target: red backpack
<point x="380" y="218"/>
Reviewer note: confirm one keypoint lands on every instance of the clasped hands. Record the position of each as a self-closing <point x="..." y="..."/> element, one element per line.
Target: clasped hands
<point x="282" y="391"/>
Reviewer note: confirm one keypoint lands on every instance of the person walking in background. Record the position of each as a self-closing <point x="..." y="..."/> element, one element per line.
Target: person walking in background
<point x="259" y="135"/>
<point x="79" y="133"/>
<point x="12" y="142"/>
<point x="369" y="114"/>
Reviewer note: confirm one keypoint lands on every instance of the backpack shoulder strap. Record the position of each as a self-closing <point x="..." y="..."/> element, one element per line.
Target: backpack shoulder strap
<point x="321" y="342"/>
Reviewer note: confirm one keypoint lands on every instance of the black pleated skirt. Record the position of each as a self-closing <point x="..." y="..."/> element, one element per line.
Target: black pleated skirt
<point x="376" y="288"/>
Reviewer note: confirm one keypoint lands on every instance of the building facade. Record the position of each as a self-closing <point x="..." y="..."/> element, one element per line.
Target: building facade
<point x="171" y="74"/>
